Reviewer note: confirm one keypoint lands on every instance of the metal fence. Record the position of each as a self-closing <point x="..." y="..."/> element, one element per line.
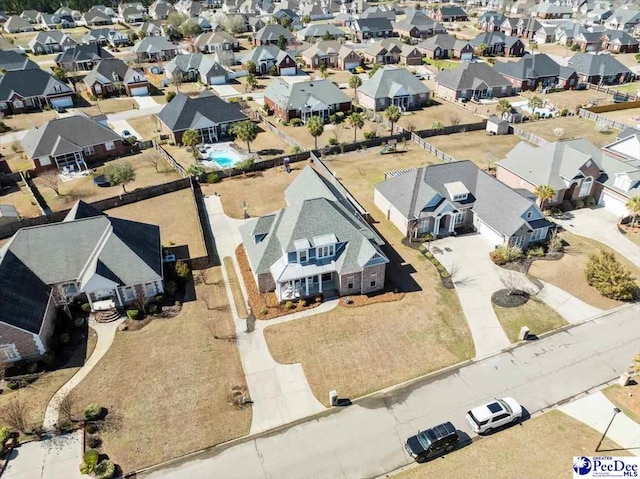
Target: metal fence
<point x="603" y="120"/>
<point x="528" y="136"/>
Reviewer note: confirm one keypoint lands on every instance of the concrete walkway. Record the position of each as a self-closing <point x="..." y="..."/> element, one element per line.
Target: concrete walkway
<point x="600" y="225"/>
<point x="596" y="411"/>
<point x="106" y="333"/>
<point x="280" y="392"/>
<point x="572" y="309"/>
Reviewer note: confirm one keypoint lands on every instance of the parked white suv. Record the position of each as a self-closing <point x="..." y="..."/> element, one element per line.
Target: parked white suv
<point x="485" y="418"/>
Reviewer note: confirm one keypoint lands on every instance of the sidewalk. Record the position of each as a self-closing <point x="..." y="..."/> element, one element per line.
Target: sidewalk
<point x="568" y="306"/>
<point x="596" y="411"/>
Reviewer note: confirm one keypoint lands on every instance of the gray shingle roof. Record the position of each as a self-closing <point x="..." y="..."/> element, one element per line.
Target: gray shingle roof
<point x="184" y="112"/>
<point x="113" y="70"/>
<point x="293" y="96"/>
<point x="272" y="33"/>
<point x="12" y="60"/>
<point x="542" y="65"/>
<point x="81" y="53"/>
<point x="153" y="45"/>
<point x="444" y="41"/>
<point x="469" y="76"/>
<point x="30" y="83"/>
<point x="603" y="64"/>
<point x="205" y="65"/>
<point x="387" y="81"/>
<point x="265" y="52"/>
<point x="319" y="30"/>
<point x="373" y="25"/>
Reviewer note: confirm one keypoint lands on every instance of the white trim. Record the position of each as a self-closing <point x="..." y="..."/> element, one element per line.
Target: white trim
<point x="39" y="344"/>
<point x="9" y="353"/>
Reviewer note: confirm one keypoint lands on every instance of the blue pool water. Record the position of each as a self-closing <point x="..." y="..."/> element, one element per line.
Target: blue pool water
<point x="222" y="158"/>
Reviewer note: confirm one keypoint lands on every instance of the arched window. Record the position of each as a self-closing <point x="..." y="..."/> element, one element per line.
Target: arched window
<point x="585" y="189"/>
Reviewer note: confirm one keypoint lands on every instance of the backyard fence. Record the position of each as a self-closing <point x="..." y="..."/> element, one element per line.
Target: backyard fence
<point x="271" y="127"/>
<point x="432" y="149"/>
<point x="601" y="119"/>
<point x="614" y="107"/>
<point x="210" y="257"/>
<point x="170" y="159"/>
<point x="617" y="95"/>
<point x="35" y="194"/>
<point x="528" y="136"/>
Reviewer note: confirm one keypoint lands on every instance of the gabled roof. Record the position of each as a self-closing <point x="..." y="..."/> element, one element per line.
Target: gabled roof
<point x="96" y="15"/>
<point x="372" y="25"/>
<point x="153" y="45"/>
<point x="488" y="38"/>
<point x="444" y="41"/>
<point x="529" y="66"/>
<point x="30" y="83"/>
<point x="294" y="96"/>
<point x="452" y="11"/>
<point x="265" y="52"/>
<point x="113" y="70"/>
<point x="12" y="60"/>
<point x="272" y="33"/>
<point x="66" y="135"/>
<point x="14" y="22"/>
<point x="53" y="37"/>
<point x="184" y="112"/>
<point x="469" y="76"/>
<point x="387" y="81"/>
<point x="83" y="53"/>
<point x="320" y="30"/>
<point x="619" y="36"/>
<point x="205" y="65"/>
<point x="602" y="64"/>
<point x="323" y="48"/>
<point x="214" y="38"/>
<point x="386" y="45"/>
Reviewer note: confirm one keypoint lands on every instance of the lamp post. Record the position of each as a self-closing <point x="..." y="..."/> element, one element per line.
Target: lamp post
<point x="615" y="411"/>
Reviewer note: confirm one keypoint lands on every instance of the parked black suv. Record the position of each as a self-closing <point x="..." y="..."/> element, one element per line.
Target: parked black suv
<point x="433" y="442"/>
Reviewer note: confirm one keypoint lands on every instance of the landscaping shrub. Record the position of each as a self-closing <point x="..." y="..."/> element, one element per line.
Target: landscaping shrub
<point x="4" y="435"/>
<point x="91" y="428"/>
<point x="612" y="280"/>
<point x="564" y="112"/>
<point x="105" y="470"/>
<point x="89" y="461"/>
<point x="318" y="299"/>
<point x="333" y="119"/>
<point x="503" y="254"/>
<point x="555" y="242"/>
<point x="213" y="178"/>
<point x="303" y="303"/>
<point x="170" y="95"/>
<point x="93" y="412"/>
<point x="182" y="270"/>
<point x="263" y="312"/>
<point x="296" y="122"/>
<point x="64" y="338"/>
<point x="332" y="141"/>
<point x="285" y="123"/>
<point x="288" y="305"/>
<point x="368" y="135"/>
<point x="578" y="204"/>
<point x="339" y="115"/>
<point x="3" y="127"/>
<point x="78" y="322"/>
<point x="153" y="308"/>
<point x="86" y="307"/>
<point x="133" y="314"/>
<point x="94" y="441"/>
<point x="171" y="288"/>
<point x="535" y="252"/>
<point x="590" y="201"/>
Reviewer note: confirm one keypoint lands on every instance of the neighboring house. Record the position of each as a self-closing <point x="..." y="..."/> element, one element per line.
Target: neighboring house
<point x="6" y="46"/>
<point x="623" y="19"/>
<point x="497" y="43"/>
<point x="332" y="54"/>
<point x="418" y="26"/>
<point x="30" y="16"/>
<point x="490" y="21"/>
<point x="44" y="43"/>
<point x="510" y="26"/>
<point x="160" y="10"/>
<point x="527" y="27"/>
<point x="82" y="57"/>
<point x="348" y="58"/>
<point x="305" y="99"/>
<point x="8" y="215"/>
<point x="411" y="55"/>
<point x="270" y="34"/>
<point x="546" y="34"/>
<point x="384" y="52"/>
<point x="11" y="60"/>
<point x="619" y="42"/>
<point x="155" y="49"/>
<point x="209" y="115"/>
<point x="114" y="77"/>
<point x="472" y="81"/>
<point x="112" y="262"/>
<point x="551" y="11"/>
<point x="312" y="33"/>
<point x="32" y="89"/>
<point x="366" y="28"/>
<point x="50" y="22"/>
<point x="268" y="56"/>
<point x="318" y="244"/>
<point x="153" y="28"/>
<point x="449" y="13"/>
<point x="16" y="24"/>
<point x="588" y="41"/>
<point x="132" y="13"/>
<point x="106" y="36"/>
<point x="196" y="67"/>
<point x="533" y="71"/>
<point x="189" y="8"/>
<point x="600" y="69"/>
<point x="522" y="7"/>
<point x="97" y="17"/>
<point x="379" y="12"/>
<point x="445" y="46"/>
<point x="442" y="199"/>
<point x="216" y="41"/>
<point x="393" y="86"/>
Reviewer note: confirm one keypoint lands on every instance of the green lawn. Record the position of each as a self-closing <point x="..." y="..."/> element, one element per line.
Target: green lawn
<point x="441" y="64"/>
<point x="534" y="314"/>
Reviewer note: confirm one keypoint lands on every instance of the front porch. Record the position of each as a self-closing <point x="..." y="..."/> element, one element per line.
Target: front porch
<point x="306" y="287"/>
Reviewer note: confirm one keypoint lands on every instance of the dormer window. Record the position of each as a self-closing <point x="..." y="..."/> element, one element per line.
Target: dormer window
<point x="326" y="251"/>
<point x="622" y="181"/>
<point x="457" y="191"/>
<point x="302" y="256"/>
<point x="529" y="214"/>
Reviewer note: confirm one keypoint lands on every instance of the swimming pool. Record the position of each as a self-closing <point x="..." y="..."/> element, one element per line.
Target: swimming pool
<point x="222" y="157"/>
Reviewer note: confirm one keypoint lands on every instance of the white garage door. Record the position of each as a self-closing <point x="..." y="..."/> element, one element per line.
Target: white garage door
<point x="613" y="204"/>
<point x="217" y="80"/>
<point x="65" y="102"/>
<point x="486" y="231"/>
<point x="351" y="65"/>
<point x="140" y="91"/>
<point x="288" y="71"/>
<point x="467" y="56"/>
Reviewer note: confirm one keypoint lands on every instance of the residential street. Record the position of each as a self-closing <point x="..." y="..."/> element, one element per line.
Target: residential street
<point x="366" y="439"/>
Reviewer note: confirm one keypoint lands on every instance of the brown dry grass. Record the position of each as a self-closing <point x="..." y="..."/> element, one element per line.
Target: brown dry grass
<point x="534" y="314"/>
<point x="238" y="297"/>
<point x="574" y="127"/>
<point x="83" y="188"/>
<point x="570" y="99"/>
<point x="630" y="116"/>
<point x="109" y="105"/>
<point x="146" y="126"/>
<point x="342" y="132"/>
<point x="444" y="112"/>
<point x="168" y="384"/>
<point x="568" y="272"/>
<point x="37" y="395"/>
<point x="539" y="448"/>
<point x="627" y="398"/>
<point x="22" y="201"/>
<point x="632" y="234"/>
<point x="175" y="213"/>
<point x="26" y="121"/>
<point x="365" y="300"/>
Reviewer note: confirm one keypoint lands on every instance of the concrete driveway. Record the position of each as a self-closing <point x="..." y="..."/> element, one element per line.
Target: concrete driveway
<point x="119" y="126"/>
<point x="475" y="278"/>
<point x="600" y="225"/>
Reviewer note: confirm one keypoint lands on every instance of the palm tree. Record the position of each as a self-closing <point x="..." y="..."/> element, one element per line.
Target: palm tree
<point x="355" y="82"/>
<point x="393" y="114"/>
<point x="633" y="205"/>
<point x="481" y="48"/>
<point x="190" y="138"/>
<point x="251" y="81"/>
<point x="246" y="131"/>
<point x="503" y="106"/>
<point x="544" y="193"/>
<point x="315" y="125"/>
<point x="356" y="121"/>
<point x="535" y="102"/>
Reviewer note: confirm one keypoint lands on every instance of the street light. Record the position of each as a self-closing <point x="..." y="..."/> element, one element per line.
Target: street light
<point x="615" y="411"/>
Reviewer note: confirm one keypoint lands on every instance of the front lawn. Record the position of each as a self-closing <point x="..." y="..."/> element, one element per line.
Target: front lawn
<point x="568" y="272"/>
<point x="632" y="234"/>
<point x="167" y="386"/>
<point x="627" y="398"/>
<point x="146" y="126"/>
<point x="541" y="448"/>
<point x="534" y="314"/>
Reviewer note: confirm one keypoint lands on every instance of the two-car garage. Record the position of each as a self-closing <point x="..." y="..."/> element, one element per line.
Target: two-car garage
<point x="61" y="102"/>
<point x="614" y="203"/>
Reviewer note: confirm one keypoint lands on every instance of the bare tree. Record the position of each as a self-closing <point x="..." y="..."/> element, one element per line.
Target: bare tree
<point x="201" y="276"/>
<point x="225" y="57"/>
<point x="515" y="283"/>
<point x="558" y="132"/>
<point x="51" y="180"/>
<point x="15" y="414"/>
<point x="455" y="119"/>
<point x="153" y="158"/>
<point x="65" y="410"/>
<point x="141" y="300"/>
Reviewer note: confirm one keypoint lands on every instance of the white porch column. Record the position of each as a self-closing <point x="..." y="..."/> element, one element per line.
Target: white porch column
<point x="306" y="286"/>
<point x="436" y="226"/>
<point x="452" y="222"/>
<point x="89" y="300"/>
<point x="320" y="282"/>
<point x="119" y="297"/>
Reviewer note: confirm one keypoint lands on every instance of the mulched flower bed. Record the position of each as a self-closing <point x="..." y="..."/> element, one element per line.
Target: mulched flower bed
<point x="523" y="264"/>
<point x="269" y="301"/>
<point x="506" y="298"/>
<point x="364" y="300"/>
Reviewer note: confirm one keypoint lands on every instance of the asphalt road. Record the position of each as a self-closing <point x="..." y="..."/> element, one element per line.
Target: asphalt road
<point x="367" y="439"/>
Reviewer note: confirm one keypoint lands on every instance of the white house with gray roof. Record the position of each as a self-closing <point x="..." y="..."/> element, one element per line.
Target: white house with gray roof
<point x="318" y="244"/>
<point x="155" y="49"/>
<point x="393" y="86"/>
<point x="445" y="198"/>
<point x="107" y="262"/>
<point x="266" y="57"/>
<point x="197" y="67"/>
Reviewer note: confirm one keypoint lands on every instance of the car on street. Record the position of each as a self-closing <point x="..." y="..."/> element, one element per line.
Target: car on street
<point x="492" y="415"/>
<point x="433" y="442"/>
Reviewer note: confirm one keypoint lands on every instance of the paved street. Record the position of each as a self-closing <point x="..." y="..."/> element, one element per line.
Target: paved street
<point x="366" y="440"/>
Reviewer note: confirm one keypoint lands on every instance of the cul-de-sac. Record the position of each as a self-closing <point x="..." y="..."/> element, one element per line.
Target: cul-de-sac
<point x="308" y="239"/>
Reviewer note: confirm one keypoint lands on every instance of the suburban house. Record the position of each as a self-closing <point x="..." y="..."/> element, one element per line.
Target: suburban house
<point x="527" y="27"/>
<point x="317" y="245"/>
<point x="268" y="56"/>
<point x="82" y="57"/>
<point x="533" y="71"/>
<point x="445" y="46"/>
<point x="154" y="28"/>
<point x="332" y="54"/>
<point x="305" y="99"/>
<point x="393" y="86"/>
<point x="16" y="24"/>
<point x="381" y="11"/>
<point x="449" y="13"/>
<point x="8" y="215"/>
<point x="44" y="43"/>
<point x="32" y="89"/>
<point x="510" y="26"/>
<point x="97" y="17"/>
<point x="30" y="16"/>
<point x="472" y="81"/>
<point x="189" y="8"/>
<point x="270" y="34"/>
<point x="602" y="68"/>
<point x="551" y="11"/>
<point x="106" y="36"/>
<point x="112" y="263"/>
<point x="212" y="42"/>
<point x="72" y="142"/>
<point x="445" y="198"/>
<point x="490" y="21"/>
<point x="418" y="26"/>
<point x="132" y="13"/>
<point x="497" y="43"/>
<point x="196" y="67"/>
<point x="522" y="7"/>
<point x="588" y="41"/>
<point x="160" y="10"/>
<point x="366" y="28"/>
<point x="114" y="77"/>
<point x="155" y="49"/>
<point x="208" y="114"/>
<point x="6" y="45"/>
<point x="11" y="60"/>
<point x="618" y="41"/>
<point x="313" y="32"/>
<point x="623" y="19"/>
<point x="384" y="52"/>
<point x="411" y="55"/>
